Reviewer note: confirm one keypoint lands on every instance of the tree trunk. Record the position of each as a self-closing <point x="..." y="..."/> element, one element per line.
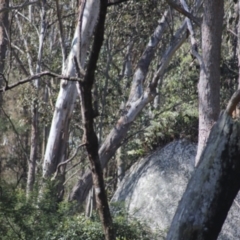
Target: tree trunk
<point x="209" y="82"/>
<point x="238" y="43"/>
<point x="34" y="147"/>
<point x="58" y="135"/>
<point x="34" y="110"/>
<point x="3" y="39"/>
<point x="120" y="166"/>
<point x="213" y="187"/>
<point x="90" y="138"/>
<point x="237" y="111"/>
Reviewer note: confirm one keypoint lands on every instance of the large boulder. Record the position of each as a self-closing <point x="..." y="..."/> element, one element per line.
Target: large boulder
<point x="153" y="187"/>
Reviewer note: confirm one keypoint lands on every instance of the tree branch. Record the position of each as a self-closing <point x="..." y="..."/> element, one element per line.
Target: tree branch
<point x="71" y="177"/>
<point x="194" y="48"/>
<point x="34" y="77"/>
<point x="235" y="99"/>
<point x="184" y="12"/>
<point x="61" y="34"/>
<point x="67" y="161"/>
<point x="25" y="4"/>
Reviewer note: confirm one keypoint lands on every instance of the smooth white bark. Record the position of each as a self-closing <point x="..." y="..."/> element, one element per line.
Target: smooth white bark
<point x="65" y="102"/>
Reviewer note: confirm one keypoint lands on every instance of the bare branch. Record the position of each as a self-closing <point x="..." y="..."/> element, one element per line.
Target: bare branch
<point x="235" y="99"/>
<point x="25" y="4"/>
<point x="146" y="58"/>
<point x="73" y="166"/>
<point x="67" y="161"/>
<point x="61" y="33"/>
<point x="231" y="31"/>
<point x="34" y="77"/>
<point x="26" y="45"/>
<point x="75" y="173"/>
<point x="178" y="40"/>
<point x="184" y="12"/>
<point x="194" y="49"/>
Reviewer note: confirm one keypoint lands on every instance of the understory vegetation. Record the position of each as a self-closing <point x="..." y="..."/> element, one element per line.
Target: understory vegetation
<point x="26" y="219"/>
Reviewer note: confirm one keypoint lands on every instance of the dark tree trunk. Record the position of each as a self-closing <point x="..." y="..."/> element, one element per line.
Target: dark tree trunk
<point x="238" y="43"/>
<point x="90" y="138"/>
<point x="213" y="187"/>
<point x="209" y="82"/>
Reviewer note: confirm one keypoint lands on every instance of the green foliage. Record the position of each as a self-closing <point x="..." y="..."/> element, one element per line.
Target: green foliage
<point x="27" y="219"/>
<point x="176" y="116"/>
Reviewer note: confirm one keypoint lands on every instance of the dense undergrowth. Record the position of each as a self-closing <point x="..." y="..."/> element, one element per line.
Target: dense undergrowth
<point x="26" y="219"/>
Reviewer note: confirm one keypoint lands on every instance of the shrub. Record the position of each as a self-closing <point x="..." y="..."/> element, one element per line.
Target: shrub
<point x="27" y="219"/>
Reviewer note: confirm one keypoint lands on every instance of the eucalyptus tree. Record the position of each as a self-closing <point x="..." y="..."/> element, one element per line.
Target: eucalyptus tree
<point x="209" y="83"/>
<point x="58" y="136"/>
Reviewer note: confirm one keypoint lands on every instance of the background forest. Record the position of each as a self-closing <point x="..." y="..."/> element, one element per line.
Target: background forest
<point x="43" y="199"/>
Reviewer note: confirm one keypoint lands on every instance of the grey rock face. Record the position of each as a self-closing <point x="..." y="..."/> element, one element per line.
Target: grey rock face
<point x="153" y="187"/>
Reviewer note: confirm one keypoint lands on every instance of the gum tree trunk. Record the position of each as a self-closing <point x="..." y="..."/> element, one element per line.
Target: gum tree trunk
<point x="90" y="138"/>
<point x="58" y="136"/>
<point x="209" y="82"/>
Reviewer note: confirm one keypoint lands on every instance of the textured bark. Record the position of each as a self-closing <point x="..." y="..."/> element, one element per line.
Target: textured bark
<point x="213" y="187"/>
<point x="58" y="136"/>
<point x="209" y="82"/>
<point x="3" y="38"/>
